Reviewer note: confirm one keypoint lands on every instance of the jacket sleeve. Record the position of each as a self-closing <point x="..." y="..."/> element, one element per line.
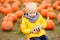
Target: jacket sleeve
<point x="43" y="22"/>
<point x="24" y="27"/>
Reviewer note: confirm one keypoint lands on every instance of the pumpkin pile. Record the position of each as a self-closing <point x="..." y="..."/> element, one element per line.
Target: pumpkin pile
<point x="14" y="9"/>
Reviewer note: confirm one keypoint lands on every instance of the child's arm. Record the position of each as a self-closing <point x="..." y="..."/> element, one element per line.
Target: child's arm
<point x="43" y="22"/>
<point x="24" y="27"/>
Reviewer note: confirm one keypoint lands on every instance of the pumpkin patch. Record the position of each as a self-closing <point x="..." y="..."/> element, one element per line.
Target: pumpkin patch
<point x="11" y="12"/>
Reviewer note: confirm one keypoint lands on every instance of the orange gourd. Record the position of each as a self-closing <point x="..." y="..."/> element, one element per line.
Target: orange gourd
<point x="8" y="1"/>
<point x="58" y="7"/>
<point x="7" y="25"/>
<point x="23" y="9"/>
<point x="38" y="0"/>
<point x="51" y="15"/>
<point x="50" y="24"/>
<point x="50" y="9"/>
<point x="45" y="4"/>
<point x="44" y="12"/>
<point x="15" y="8"/>
<point x="17" y="3"/>
<point x="55" y="5"/>
<point x="39" y="9"/>
<point x="7" y="8"/>
<point x="2" y="1"/>
<point x="19" y="13"/>
<point x="13" y="16"/>
<point x="7" y="19"/>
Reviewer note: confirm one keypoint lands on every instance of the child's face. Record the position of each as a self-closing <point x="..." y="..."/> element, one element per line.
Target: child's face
<point x="32" y="14"/>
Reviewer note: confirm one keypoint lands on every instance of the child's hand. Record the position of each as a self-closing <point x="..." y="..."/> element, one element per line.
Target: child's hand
<point x="36" y="31"/>
<point x="40" y="27"/>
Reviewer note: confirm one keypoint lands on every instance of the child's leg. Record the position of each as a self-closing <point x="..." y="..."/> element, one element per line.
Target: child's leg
<point x="43" y="37"/>
<point x="35" y="38"/>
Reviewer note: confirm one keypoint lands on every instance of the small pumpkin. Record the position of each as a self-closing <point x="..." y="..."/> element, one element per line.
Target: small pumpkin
<point x="46" y="4"/>
<point x="50" y="24"/>
<point x="38" y="0"/>
<point x="17" y="3"/>
<point x="23" y="1"/>
<point x="7" y="19"/>
<point x="15" y="8"/>
<point x="19" y="13"/>
<point x="2" y="1"/>
<point x="39" y="9"/>
<point x="50" y="9"/>
<point x="8" y="1"/>
<point x="55" y="5"/>
<point x="7" y="25"/>
<point x="44" y="12"/>
<point x="23" y="9"/>
<point x="51" y="15"/>
<point x="58" y="7"/>
<point x="13" y="16"/>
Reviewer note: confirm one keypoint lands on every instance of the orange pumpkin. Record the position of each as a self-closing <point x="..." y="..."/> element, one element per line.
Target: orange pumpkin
<point x="15" y="0"/>
<point x="8" y="1"/>
<point x="19" y="13"/>
<point x="39" y="9"/>
<point x="54" y="5"/>
<point x="55" y="0"/>
<point x="44" y="12"/>
<point x="5" y="11"/>
<point x="50" y="24"/>
<point x="23" y="1"/>
<point x="58" y="17"/>
<point x="58" y="7"/>
<point x="7" y="19"/>
<point x="46" y="4"/>
<point x="6" y="4"/>
<point x="23" y="9"/>
<point x="47" y="0"/>
<point x="51" y="15"/>
<point x="13" y="16"/>
<point x="15" y="8"/>
<point x="7" y="25"/>
<point x="2" y="1"/>
<point x="50" y="9"/>
<point x="17" y="3"/>
<point x="38" y="0"/>
<point x="7" y="8"/>
<point x="58" y="2"/>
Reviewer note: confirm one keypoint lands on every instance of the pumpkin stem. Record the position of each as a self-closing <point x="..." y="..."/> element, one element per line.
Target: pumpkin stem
<point x="47" y="18"/>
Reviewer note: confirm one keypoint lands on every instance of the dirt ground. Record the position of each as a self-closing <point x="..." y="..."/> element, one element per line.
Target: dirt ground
<point x="15" y="34"/>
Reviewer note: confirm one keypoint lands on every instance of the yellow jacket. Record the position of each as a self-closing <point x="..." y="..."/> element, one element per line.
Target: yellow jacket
<point x="27" y="26"/>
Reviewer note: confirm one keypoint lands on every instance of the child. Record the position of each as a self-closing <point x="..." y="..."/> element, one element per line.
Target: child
<point x="33" y="24"/>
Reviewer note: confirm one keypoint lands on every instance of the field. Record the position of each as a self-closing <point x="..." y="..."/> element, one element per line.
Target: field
<point x="15" y="34"/>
